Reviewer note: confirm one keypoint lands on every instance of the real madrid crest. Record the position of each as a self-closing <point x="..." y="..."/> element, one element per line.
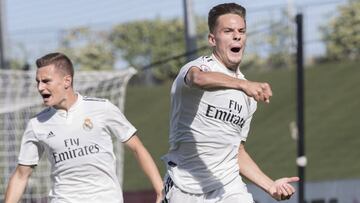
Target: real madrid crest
<point x="205" y="67"/>
<point x="88" y="125"/>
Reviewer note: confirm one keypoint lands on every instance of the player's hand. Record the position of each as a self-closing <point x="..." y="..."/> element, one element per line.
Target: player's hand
<point x="281" y="189"/>
<point x="260" y="91"/>
<point x="159" y="197"/>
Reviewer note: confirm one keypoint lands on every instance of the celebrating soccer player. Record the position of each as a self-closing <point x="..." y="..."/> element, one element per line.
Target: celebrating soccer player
<point x="75" y="132"/>
<point x="212" y="107"/>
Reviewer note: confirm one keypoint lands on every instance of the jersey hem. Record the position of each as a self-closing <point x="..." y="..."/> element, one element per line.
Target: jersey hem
<point x="27" y="163"/>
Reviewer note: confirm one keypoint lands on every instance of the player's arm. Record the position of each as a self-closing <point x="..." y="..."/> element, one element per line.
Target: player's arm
<point x="214" y="80"/>
<point x="280" y="189"/>
<point x="17" y="183"/>
<point x="147" y="164"/>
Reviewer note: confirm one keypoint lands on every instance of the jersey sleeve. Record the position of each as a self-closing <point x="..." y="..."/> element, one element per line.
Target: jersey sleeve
<point x="30" y="150"/>
<point x="117" y="123"/>
<point x="199" y="63"/>
<point x="246" y="128"/>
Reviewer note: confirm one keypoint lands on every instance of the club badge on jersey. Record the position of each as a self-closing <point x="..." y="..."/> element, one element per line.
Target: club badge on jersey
<point x="87" y="125"/>
<point x="204" y="68"/>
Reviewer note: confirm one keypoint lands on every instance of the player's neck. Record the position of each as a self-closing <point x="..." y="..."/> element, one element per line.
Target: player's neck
<point x="68" y="101"/>
<point x="234" y="68"/>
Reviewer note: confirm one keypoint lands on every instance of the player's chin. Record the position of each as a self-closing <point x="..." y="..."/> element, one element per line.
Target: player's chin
<point x="235" y="58"/>
<point x="234" y="62"/>
<point x="47" y="102"/>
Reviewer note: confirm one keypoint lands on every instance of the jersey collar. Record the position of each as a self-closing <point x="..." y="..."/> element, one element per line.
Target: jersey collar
<point x="65" y="113"/>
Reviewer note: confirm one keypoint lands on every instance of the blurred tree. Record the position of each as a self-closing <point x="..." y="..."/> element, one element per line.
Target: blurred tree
<point x="89" y="50"/>
<point x="342" y="34"/>
<point x="19" y="60"/>
<point x="16" y="64"/>
<point x="281" y="43"/>
<point x="145" y="42"/>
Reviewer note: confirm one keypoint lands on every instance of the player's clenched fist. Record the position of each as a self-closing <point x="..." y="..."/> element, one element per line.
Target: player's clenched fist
<point x="260" y="91"/>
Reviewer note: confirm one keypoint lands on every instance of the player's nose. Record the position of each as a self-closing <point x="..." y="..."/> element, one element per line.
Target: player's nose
<point x="40" y="87"/>
<point x="236" y="36"/>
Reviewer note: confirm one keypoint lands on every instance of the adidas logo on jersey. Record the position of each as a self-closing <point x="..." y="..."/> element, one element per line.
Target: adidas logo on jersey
<point x="51" y="134"/>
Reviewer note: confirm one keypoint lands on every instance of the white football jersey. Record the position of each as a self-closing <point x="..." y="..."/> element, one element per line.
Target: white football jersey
<point x="206" y="129"/>
<point x="79" y="147"/>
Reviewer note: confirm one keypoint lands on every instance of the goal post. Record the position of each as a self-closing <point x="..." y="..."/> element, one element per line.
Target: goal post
<point x="20" y="101"/>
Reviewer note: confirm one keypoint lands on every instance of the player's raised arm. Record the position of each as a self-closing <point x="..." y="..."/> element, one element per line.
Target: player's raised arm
<point x="195" y="77"/>
<point x="17" y="183"/>
<point x="147" y="164"/>
<point x="280" y="189"/>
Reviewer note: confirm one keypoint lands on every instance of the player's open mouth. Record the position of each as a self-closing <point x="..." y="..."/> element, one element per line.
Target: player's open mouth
<point x="235" y="49"/>
<point x="46" y="96"/>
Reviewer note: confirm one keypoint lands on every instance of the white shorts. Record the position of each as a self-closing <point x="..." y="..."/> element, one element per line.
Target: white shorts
<point x="233" y="192"/>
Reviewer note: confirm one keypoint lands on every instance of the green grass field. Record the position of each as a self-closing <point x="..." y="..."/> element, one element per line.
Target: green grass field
<point x="332" y="129"/>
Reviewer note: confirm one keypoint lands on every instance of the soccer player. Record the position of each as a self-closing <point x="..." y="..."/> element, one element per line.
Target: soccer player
<point x="75" y="133"/>
<point x="212" y="107"/>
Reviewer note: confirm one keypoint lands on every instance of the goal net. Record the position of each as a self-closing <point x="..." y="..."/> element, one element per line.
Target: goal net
<point x="20" y="101"/>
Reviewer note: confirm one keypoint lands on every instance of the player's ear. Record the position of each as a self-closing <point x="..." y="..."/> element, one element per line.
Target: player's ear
<point x="67" y="81"/>
<point x="211" y="40"/>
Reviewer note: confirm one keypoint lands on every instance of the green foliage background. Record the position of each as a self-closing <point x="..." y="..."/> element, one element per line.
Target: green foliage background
<point x="342" y="33"/>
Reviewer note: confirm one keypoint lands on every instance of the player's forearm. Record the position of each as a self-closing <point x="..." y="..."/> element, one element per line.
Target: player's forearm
<point x="214" y="80"/>
<point x="149" y="167"/>
<point x="15" y="189"/>
<point x="260" y="91"/>
<point x="250" y="170"/>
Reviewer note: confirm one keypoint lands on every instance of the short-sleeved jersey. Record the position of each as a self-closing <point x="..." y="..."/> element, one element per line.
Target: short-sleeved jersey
<point x="79" y="146"/>
<point x="206" y="129"/>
